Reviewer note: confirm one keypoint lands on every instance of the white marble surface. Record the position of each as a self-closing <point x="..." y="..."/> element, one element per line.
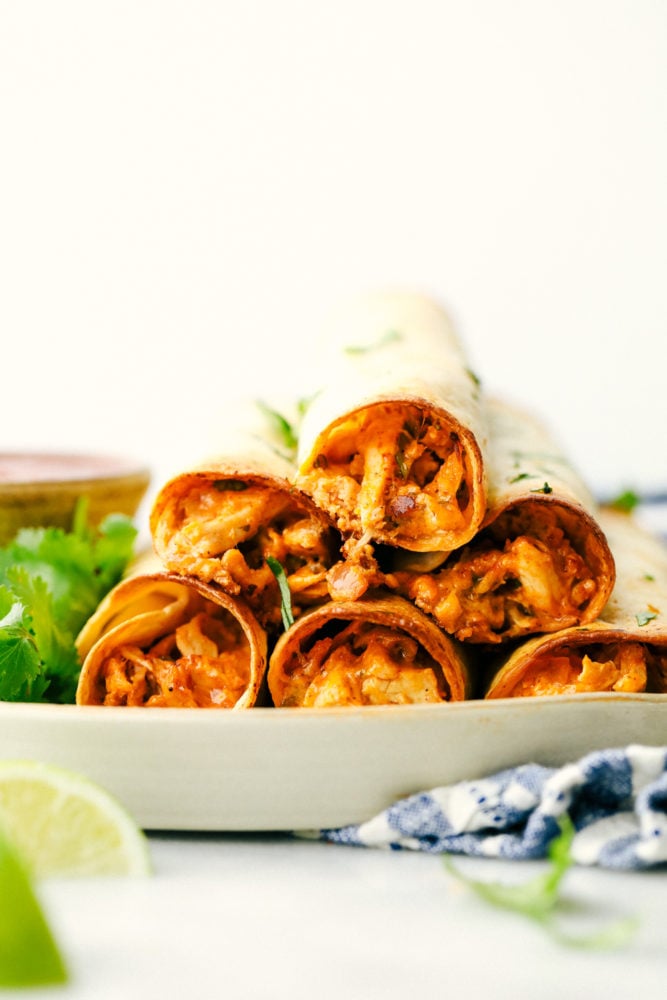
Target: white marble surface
<point x="266" y="917"/>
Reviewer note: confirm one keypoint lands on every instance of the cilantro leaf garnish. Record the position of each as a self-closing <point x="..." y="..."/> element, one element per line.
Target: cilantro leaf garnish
<point x="625" y="501"/>
<point x="538" y="899"/>
<point x="543" y="489"/>
<point x="19" y="659"/>
<point x="51" y="581"/>
<point x="285" y="431"/>
<point x="402" y="467"/>
<point x="520" y="477"/>
<point x="390" y="337"/>
<point x="644" y="617"/>
<point x="285" y="594"/>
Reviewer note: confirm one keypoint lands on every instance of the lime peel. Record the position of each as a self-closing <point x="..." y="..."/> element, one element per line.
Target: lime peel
<point x="64" y="824"/>
<point x="29" y="955"/>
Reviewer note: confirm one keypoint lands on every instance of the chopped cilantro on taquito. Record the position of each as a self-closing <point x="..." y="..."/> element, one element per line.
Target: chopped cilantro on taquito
<point x="392" y="447"/>
<point x="540" y="562"/>
<point x="624" y="650"/>
<point x="377" y="651"/>
<point x="163" y="640"/>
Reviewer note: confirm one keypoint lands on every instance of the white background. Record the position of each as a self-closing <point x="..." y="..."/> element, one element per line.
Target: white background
<point x="187" y="188"/>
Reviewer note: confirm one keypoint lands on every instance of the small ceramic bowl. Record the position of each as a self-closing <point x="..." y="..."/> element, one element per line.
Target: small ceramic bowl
<point x="39" y="489"/>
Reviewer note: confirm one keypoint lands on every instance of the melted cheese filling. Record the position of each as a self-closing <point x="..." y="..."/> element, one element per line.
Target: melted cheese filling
<point x="611" y="667"/>
<point x="205" y="662"/>
<point x="223" y="533"/>
<point x="364" y="664"/>
<point x="394" y="474"/>
<point x="533" y="582"/>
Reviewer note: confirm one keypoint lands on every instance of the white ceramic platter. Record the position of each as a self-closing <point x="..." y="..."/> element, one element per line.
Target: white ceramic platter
<point x="284" y="769"/>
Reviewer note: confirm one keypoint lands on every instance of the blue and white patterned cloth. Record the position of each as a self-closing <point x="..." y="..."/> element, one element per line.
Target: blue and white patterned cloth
<point x="616" y="798"/>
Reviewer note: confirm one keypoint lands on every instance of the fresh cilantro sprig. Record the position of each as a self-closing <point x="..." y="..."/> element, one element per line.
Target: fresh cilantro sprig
<point x="285" y="594"/>
<point x="51" y="581"/>
<point x="539" y="900"/>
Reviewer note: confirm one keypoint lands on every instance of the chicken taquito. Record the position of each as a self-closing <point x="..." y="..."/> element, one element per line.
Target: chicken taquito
<point x="377" y="651"/>
<point x="159" y="639"/>
<point x="541" y="561"/>
<point x="625" y="650"/>
<point x="392" y="447"/>
<point x="228" y="518"/>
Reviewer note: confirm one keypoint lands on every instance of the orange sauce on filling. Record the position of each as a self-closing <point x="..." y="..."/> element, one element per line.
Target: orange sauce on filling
<point x="364" y="664"/>
<point x="602" y="667"/>
<point x="507" y="585"/>
<point x="205" y="662"/>
<point x="396" y="473"/>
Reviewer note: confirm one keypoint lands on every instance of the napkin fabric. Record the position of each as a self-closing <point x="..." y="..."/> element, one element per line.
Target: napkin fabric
<point x="616" y="798"/>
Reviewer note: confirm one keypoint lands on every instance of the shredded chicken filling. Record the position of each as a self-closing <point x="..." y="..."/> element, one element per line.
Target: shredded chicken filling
<point x="364" y="664"/>
<point x="224" y="533"/>
<point x="205" y="662"/>
<point x="392" y="473"/>
<point x="534" y="582"/>
<point x="610" y="667"/>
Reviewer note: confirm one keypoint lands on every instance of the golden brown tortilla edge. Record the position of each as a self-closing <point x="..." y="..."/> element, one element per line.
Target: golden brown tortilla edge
<point x="178" y="486"/>
<point x="522" y="659"/>
<point x="395" y="612"/>
<point x="592" y="542"/>
<point x="93" y="650"/>
<point x="474" y="457"/>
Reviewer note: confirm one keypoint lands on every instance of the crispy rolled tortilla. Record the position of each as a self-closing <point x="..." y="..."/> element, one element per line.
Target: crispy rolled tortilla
<point x="392" y="447"/>
<point x="220" y="521"/>
<point x="541" y="562"/>
<point x="624" y="650"/>
<point x="379" y="651"/>
<point x="163" y="640"/>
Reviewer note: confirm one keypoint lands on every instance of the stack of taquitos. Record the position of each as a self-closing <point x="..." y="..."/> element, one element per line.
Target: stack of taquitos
<point x="189" y="627"/>
<point x="539" y="563"/>
<point x="393" y="450"/>
<point x="230" y="521"/>
<point x="422" y="522"/>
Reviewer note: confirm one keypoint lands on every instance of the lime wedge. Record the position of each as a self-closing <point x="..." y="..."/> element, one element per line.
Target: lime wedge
<point x="63" y="824"/>
<point x="29" y="955"/>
